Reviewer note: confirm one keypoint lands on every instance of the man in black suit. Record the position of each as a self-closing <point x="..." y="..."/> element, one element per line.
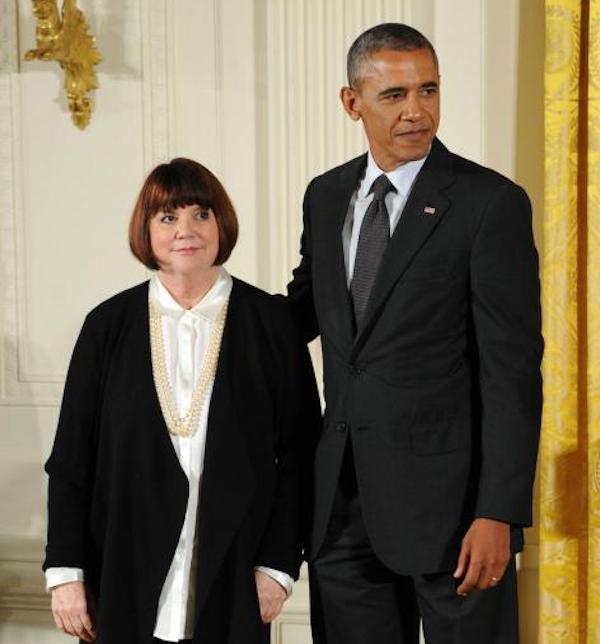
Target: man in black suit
<point x="420" y="275"/>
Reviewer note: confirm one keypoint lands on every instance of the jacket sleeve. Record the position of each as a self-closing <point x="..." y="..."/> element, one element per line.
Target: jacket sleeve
<point x="300" y="293"/>
<point x="298" y="415"/>
<point x="71" y="462"/>
<point x="505" y="301"/>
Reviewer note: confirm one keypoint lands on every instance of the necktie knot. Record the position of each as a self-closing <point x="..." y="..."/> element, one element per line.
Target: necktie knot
<point x="381" y="186"/>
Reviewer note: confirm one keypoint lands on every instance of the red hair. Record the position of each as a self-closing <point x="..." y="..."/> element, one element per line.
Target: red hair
<point x="181" y="182"/>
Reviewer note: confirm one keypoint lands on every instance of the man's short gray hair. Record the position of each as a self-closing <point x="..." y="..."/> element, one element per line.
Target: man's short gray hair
<point x="389" y="35"/>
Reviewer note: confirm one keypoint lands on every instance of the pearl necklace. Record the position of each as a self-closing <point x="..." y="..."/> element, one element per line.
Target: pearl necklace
<point x="183" y="426"/>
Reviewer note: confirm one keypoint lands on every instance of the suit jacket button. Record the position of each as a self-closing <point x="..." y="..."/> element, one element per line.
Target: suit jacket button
<point x="354" y="370"/>
<point x="341" y="427"/>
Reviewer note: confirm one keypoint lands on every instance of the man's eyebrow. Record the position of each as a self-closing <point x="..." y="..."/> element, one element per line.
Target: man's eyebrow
<point x="392" y="90"/>
<point x="399" y="88"/>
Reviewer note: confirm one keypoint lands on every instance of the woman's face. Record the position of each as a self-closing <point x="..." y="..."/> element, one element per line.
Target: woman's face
<point x="185" y="241"/>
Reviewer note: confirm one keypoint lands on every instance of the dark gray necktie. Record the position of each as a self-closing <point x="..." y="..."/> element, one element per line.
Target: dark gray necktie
<point x="372" y="242"/>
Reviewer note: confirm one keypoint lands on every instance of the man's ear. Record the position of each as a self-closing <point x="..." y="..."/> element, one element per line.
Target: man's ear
<point x="349" y="98"/>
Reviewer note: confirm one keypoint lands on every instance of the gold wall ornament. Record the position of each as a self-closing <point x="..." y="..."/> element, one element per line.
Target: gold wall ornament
<point x="69" y="43"/>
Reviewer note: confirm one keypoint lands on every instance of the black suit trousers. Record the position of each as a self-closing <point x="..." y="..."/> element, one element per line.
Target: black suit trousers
<point x="355" y="599"/>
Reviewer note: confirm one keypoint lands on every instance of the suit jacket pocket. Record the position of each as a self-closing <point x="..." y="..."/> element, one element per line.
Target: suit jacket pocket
<point x="428" y="272"/>
<point x="439" y="437"/>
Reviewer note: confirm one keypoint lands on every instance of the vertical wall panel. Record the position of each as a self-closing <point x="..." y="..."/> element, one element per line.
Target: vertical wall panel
<point x="236" y="82"/>
<point x="61" y="222"/>
<point x="305" y="130"/>
<point x="459" y="38"/>
<point x="8" y="143"/>
<point x="157" y="106"/>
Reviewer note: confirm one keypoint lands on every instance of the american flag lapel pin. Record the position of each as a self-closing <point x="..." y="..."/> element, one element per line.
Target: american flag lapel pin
<point x="429" y="210"/>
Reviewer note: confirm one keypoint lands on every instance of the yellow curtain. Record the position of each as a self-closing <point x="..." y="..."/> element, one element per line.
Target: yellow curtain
<point x="570" y="447"/>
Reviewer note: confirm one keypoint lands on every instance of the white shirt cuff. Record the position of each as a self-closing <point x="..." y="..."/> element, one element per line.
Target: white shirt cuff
<point x="280" y="577"/>
<point x="57" y="576"/>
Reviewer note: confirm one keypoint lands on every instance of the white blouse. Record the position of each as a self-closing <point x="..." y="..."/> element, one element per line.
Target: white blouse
<point x="186" y="335"/>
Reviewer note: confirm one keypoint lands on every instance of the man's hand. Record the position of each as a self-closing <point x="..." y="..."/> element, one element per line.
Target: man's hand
<point x="70" y="611"/>
<point x="271" y="595"/>
<point x="484" y="555"/>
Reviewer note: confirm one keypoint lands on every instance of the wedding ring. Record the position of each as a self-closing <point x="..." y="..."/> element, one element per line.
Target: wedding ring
<point x="494" y="580"/>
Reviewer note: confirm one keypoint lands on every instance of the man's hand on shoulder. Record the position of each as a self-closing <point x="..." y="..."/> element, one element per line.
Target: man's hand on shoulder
<point x="484" y="555"/>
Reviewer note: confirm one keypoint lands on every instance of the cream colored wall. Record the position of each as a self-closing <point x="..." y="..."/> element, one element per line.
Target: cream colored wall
<point x="250" y="89"/>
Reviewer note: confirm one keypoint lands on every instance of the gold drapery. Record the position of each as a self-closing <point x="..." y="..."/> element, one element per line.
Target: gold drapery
<point x="570" y="447"/>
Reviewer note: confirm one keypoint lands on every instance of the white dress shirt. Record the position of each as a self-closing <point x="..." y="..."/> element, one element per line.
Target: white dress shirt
<point x="402" y="178"/>
<point x="186" y="335"/>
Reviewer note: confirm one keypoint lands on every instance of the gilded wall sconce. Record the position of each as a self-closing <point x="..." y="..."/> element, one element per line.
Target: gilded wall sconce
<point x="68" y="42"/>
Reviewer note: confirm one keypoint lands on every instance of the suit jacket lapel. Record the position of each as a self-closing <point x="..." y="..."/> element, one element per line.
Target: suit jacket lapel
<point x="413" y="229"/>
<point x="158" y="424"/>
<point x="228" y="481"/>
<point x="337" y="202"/>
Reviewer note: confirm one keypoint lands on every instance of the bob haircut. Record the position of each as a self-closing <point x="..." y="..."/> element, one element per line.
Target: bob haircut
<point x="181" y="182"/>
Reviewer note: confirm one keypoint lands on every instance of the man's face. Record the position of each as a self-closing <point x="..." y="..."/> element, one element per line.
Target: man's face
<point x="398" y="101"/>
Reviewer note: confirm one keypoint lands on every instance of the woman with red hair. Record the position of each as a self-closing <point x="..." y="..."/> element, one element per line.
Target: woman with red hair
<point x="177" y="491"/>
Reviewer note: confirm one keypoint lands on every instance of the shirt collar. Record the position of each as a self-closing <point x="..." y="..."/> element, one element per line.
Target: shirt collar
<point x="208" y="307"/>
<point x="401" y="177"/>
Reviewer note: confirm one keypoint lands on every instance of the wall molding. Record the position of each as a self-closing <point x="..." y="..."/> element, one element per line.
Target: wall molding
<point x="19" y="384"/>
<point x="21" y="577"/>
<point x="157" y="56"/>
<point x="15" y="382"/>
<point x="22" y="582"/>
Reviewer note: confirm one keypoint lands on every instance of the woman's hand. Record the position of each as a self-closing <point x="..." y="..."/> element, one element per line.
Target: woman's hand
<point x="271" y="595"/>
<point x="71" y="612"/>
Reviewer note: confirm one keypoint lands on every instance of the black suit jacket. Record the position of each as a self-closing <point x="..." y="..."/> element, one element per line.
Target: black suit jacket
<point x="117" y="494"/>
<point x="440" y="389"/>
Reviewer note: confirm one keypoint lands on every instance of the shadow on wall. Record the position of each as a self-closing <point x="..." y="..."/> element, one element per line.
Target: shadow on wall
<point x="529" y="162"/>
<point x="529" y="172"/>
